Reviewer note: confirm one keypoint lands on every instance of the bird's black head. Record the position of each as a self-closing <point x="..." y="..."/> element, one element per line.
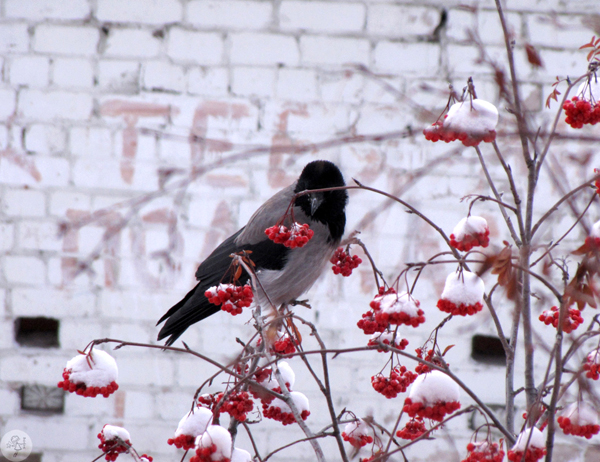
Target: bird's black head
<point x="327" y="207"/>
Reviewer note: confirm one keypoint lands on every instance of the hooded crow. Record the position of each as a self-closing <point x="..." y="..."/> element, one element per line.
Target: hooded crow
<point x="284" y="273"/>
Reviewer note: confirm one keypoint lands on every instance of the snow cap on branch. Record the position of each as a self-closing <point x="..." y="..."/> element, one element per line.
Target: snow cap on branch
<point x="463" y="294"/>
<point x="475" y="118"/>
<point x="215" y="441"/>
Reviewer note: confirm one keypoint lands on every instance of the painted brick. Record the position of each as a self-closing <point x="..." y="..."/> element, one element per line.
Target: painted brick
<point x="145" y="371"/>
<point x="14" y="38"/>
<point x="173" y="406"/>
<point x="231" y="14"/>
<point x="31" y="368"/>
<point x="133" y="331"/>
<point x="61" y="201"/>
<point x="39" y="235"/>
<point x="39" y="105"/>
<point x="160" y="75"/>
<point x="47" y="9"/>
<point x="139" y="405"/>
<point x="196" y="47"/>
<point x="70" y="40"/>
<point x="24" y="270"/>
<point x="49" y="432"/>
<point x="485" y="23"/>
<point x="401" y="21"/>
<point x="88" y="173"/>
<point x="44" y="139"/>
<point x="322" y="16"/>
<point x="134" y="305"/>
<point x="54" y="171"/>
<point x="9" y="402"/>
<point x="560" y="31"/>
<point x="21" y="71"/>
<point x="297" y="84"/>
<point x="208" y="81"/>
<point x="263" y="49"/>
<point x="253" y="81"/>
<point x="419" y="58"/>
<point x="334" y="51"/>
<point x="52" y="302"/>
<point x="119" y="76"/>
<point x="7" y="236"/>
<point x="72" y="73"/>
<point x="91" y="142"/>
<point x="338" y="87"/>
<point x="7" y="332"/>
<point x="24" y="202"/>
<point x="76" y="333"/>
<point x="7" y="103"/>
<point x="132" y="43"/>
<point x="139" y="11"/>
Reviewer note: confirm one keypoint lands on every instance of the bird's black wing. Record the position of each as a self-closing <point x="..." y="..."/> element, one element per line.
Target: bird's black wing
<point x="195" y="306"/>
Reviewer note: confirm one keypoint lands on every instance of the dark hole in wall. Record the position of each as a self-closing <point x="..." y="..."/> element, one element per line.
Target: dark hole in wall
<point x="37" y="332"/>
<point x="487" y="349"/>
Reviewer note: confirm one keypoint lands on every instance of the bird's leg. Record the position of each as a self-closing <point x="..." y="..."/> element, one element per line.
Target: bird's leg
<point x="303" y="303"/>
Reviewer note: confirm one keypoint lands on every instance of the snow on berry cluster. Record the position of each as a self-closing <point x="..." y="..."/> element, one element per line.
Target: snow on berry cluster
<point x="343" y="263"/>
<point x="432" y="396"/>
<point x="398" y="381"/>
<point x="387" y="338"/>
<point x="484" y="451"/>
<point x="90" y="375"/>
<point x="280" y="411"/>
<point x="412" y="430"/>
<point x="193" y="424"/>
<point x="470" y="232"/>
<point x="584" y="108"/>
<point x="534" y="451"/>
<point x="295" y="237"/>
<point x="113" y="441"/>
<point x="471" y="122"/>
<point x="579" y="419"/>
<point x="592" y="365"/>
<point x="232" y="298"/>
<point x="391" y="308"/>
<point x="463" y="294"/>
<point x="214" y="445"/>
<point x="571" y="321"/>
<point x="357" y="433"/>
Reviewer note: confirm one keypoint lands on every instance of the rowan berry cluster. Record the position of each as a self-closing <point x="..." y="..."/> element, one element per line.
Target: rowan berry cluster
<point x="580" y="112"/>
<point x="398" y="382"/>
<point x="412" y="430"/>
<point x="343" y="263"/>
<point x="295" y="237"/>
<point x="284" y="345"/>
<point x="392" y="308"/>
<point x="184" y="442"/>
<point x="231" y="297"/>
<point x="531" y="455"/>
<point x="237" y="405"/>
<point x="592" y="365"/>
<point x="435" y="411"/>
<point x="423" y="368"/>
<point x="573" y="428"/>
<point x="387" y="338"/>
<point x="112" y="445"/>
<point x="82" y="390"/>
<point x="286" y="418"/>
<point x="204" y="454"/>
<point x="470" y="232"/>
<point x="571" y="322"/>
<point x="461" y="309"/>
<point x="357" y="434"/>
<point x="484" y="452"/>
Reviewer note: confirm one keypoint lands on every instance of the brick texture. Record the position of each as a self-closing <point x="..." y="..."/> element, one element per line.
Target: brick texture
<point x="108" y="106"/>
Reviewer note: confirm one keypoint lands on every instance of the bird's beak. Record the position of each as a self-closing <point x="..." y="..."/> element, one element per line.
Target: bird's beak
<point x="315" y="201"/>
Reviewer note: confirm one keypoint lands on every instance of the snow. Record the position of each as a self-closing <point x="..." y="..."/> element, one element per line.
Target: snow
<point x="300" y="400"/>
<point x="467" y="289"/>
<point x="581" y="414"/>
<point x="469" y="226"/>
<point x="383" y="336"/>
<point x="433" y="387"/>
<point x="239" y="455"/>
<point x="476" y="117"/>
<point x="584" y="92"/>
<point x="194" y="423"/>
<point x="287" y="373"/>
<point x="220" y="437"/>
<point x="111" y="432"/>
<point x="593" y="357"/>
<point x="595" y="230"/>
<point x="537" y="440"/>
<point x="397" y="303"/>
<point x="103" y="371"/>
<point x="357" y="428"/>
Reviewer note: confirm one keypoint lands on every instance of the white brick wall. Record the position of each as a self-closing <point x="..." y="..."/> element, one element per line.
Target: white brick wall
<point x="98" y="99"/>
